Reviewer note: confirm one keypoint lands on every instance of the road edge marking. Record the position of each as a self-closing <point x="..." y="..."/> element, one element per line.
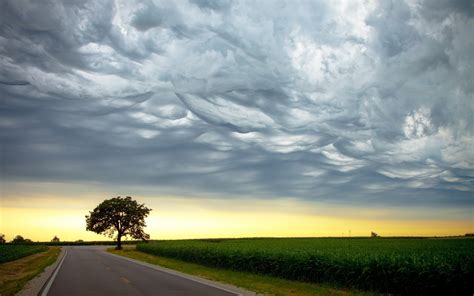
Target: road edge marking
<point x="175" y="273"/>
<point x="44" y="291"/>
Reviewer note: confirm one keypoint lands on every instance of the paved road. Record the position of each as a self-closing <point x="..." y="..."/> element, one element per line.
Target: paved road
<point x="91" y="271"/>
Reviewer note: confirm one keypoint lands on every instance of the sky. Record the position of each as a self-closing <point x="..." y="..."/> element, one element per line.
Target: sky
<point x="238" y="118"/>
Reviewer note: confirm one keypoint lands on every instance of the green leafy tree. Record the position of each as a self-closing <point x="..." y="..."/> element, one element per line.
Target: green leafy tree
<point x="119" y="217"/>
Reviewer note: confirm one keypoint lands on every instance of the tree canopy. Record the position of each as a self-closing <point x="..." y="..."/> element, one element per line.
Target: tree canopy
<point x="21" y="240"/>
<point x="119" y="217"/>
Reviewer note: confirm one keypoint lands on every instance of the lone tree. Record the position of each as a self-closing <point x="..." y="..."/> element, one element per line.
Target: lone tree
<point x="55" y="239"/>
<point x="120" y="216"/>
<point x="2" y="238"/>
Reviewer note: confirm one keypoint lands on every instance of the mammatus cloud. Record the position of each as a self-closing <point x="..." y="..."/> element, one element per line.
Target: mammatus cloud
<point x="360" y="101"/>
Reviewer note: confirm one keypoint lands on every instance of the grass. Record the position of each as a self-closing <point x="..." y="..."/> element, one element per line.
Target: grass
<point x="419" y="266"/>
<point x="10" y="252"/>
<point x="266" y="285"/>
<point x="15" y="274"/>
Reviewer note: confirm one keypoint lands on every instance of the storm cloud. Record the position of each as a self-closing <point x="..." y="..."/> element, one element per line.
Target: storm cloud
<point x="344" y="101"/>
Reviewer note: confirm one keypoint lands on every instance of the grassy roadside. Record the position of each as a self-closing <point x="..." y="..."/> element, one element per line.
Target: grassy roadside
<point x="253" y="282"/>
<point x="15" y="274"/>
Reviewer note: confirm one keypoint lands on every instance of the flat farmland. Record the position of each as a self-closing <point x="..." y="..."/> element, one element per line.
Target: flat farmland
<point x="387" y="265"/>
<point x="10" y="252"/>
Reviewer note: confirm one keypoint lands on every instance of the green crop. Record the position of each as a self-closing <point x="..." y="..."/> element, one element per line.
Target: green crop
<point x="10" y="252"/>
<point x="387" y="265"/>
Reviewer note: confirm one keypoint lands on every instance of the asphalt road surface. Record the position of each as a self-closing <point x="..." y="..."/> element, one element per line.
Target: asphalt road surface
<point x="91" y="271"/>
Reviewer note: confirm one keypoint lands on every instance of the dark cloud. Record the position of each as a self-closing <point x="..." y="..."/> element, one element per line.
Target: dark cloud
<point x="362" y="102"/>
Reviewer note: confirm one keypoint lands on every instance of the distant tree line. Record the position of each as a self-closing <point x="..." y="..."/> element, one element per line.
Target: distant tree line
<point x="16" y="240"/>
<point x="19" y="239"/>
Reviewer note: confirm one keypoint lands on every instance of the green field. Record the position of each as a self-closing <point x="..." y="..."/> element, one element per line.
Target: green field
<point x="388" y="265"/>
<point x="10" y="252"/>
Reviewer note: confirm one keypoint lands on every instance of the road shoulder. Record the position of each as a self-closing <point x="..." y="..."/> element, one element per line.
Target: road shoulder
<point x="34" y="286"/>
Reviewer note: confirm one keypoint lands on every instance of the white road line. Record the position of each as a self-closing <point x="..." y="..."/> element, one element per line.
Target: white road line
<point x="51" y="280"/>
<point x="159" y="268"/>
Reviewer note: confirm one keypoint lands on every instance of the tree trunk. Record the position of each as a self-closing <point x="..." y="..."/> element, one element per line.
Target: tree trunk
<point x="119" y="242"/>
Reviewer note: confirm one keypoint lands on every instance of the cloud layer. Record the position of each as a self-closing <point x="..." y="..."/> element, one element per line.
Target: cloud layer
<point x="357" y="101"/>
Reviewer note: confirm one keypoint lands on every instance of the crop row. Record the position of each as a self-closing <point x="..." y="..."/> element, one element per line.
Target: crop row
<point x="419" y="266"/>
<point x="9" y="252"/>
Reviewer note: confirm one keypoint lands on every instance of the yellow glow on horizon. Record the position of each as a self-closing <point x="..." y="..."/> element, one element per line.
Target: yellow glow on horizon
<point x="177" y="218"/>
<point x="39" y="211"/>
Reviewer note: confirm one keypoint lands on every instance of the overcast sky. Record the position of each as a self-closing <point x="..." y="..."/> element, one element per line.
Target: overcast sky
<point x="361" y="102"/>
